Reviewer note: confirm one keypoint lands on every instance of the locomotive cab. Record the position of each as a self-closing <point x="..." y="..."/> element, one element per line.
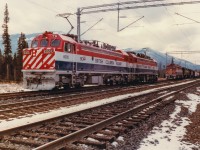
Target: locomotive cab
<point x="39" y="62"/>
<point x="50" y="62"/>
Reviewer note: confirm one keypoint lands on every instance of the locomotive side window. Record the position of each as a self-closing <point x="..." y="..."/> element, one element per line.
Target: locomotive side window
<point x="69" y="48"/>
<point x="44" y="43"/>
<point x="55" y="42"/>
<point x="34" y="43"/>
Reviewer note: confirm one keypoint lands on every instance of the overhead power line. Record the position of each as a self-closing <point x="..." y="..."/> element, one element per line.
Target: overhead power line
<point x="131" y="23"/>
<point x="92" y="26"/>
<point x="116" y="4"/>
<point x="187" y="17"/>
<point x="124" y="6"/>
<point x="184" y="52"/>
<point x="141" y="4"/>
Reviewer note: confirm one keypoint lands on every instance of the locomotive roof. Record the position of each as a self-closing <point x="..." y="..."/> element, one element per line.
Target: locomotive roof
<point x="145" y="58"/>
<point x="51" y="34"/>
<point x="123" y="52"/>
<point x="67" y="38"/>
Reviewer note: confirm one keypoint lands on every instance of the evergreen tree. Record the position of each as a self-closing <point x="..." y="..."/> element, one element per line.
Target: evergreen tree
<point x="7" y="43"/>
<point x="1" y="65"/>
<point x="21" y="45"/>
<point x="14" y="67"/>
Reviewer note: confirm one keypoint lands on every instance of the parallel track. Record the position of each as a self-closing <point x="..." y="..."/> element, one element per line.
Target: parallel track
<point x="27" y="107"/>
<point x="28" y="94"/>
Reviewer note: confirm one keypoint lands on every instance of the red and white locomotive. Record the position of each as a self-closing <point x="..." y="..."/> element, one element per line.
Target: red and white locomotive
<point x="56" y="60"/>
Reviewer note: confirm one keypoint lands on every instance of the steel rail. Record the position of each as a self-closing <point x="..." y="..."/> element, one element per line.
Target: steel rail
<point x="5" y="96"/>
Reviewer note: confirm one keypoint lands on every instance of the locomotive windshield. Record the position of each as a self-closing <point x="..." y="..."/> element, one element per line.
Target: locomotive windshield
<point x="44" y="43"/>
<point x="35" y="43"/>
<point x="55" y="43"/>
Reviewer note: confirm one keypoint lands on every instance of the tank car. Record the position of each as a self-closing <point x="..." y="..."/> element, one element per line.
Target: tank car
<point x="56" y="60"/>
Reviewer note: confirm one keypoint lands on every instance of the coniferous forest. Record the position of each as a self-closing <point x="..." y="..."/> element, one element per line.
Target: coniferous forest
<point x="10" y="64"/>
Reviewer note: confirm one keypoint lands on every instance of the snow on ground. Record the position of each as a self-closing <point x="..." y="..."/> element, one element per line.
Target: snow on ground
<point x="169" y="134"/>
<point x="13" y="123"/>
<point x="14" y="87"/>
<point x="163" y="92"/>
<point x="11" y="87"/>
<point x="115" y="143"/>
<point x="198" y="89"/>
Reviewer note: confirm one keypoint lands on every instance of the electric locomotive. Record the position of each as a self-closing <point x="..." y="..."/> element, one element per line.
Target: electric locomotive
<point x="56" y="60"/>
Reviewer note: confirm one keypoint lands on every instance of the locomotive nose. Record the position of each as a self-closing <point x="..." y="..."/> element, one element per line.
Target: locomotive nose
<point x="41" y="58"/>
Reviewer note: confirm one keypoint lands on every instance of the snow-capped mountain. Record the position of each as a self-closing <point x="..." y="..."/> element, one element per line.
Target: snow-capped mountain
<point x="14" y="39"/>
<point x="162" y="58"/>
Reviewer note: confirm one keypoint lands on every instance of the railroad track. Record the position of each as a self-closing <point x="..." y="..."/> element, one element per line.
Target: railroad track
<point x="95" y="126"/>
<point x="29" y="94"/>
<point x="28" y="107"/>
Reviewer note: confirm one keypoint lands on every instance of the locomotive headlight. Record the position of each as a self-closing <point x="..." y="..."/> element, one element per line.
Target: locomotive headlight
<point x="26" y="52"/>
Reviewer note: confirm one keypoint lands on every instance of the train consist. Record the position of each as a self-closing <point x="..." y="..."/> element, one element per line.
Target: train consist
<point x="174" y="71"/>
<point x="56" y="60"/>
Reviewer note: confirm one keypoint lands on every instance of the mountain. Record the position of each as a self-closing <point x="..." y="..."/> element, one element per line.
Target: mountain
<point x="162" y="58"/>
<point x="14" y="39"/>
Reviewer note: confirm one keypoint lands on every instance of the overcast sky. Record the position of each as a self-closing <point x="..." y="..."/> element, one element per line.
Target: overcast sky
<point x="157" y="30"/>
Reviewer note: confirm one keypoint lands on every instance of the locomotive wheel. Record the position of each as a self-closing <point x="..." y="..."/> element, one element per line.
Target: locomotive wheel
<point x="66" y="86"/>
<point x="111" y="82"/>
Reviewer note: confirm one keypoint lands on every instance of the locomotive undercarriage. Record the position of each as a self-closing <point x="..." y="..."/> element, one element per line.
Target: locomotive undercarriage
<point x="67" y="81"/>
<point x="51" y="80"/>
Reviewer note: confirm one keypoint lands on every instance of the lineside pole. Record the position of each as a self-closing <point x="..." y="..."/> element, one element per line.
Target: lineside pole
<point x="78" y="24"/>
<point x="118" y="19"/>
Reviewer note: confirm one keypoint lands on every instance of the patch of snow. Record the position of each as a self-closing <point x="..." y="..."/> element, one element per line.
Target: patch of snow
<point x="168" y="98"/>
<point x="91" y="139"/>
<point x="163" y="92"/>
<point x="120" y="138"/>
<point x="30" y="39"/>
<point x="192" y="103"/>
<point x="198" y="89"/>
<point x="83" y="146"/>
<point x="169" y="136"/>
<point x="99" y="134"/>
<point x="115" y="144"/>
<point x="12" y="87"/>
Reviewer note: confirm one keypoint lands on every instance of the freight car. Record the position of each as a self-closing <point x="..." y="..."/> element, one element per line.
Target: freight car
<point x="56" y="60"/>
